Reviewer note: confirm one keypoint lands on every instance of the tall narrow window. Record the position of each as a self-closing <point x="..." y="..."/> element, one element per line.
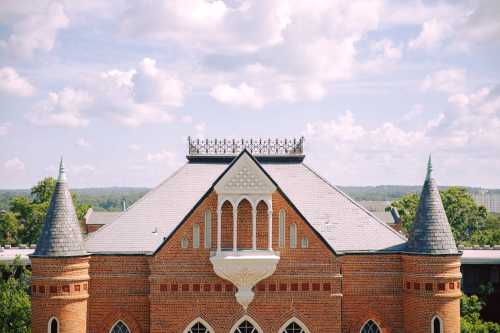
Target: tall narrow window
<point x="293" y="235"/>
<point x="196" y="236"/>
<point x="208" y="229"/>
<point x="53" y="326"/>
<point x="281" y="227"/>
<point x="370" y="327"/>
<point x="120" y="327"/>
<point x="437" y="325"/>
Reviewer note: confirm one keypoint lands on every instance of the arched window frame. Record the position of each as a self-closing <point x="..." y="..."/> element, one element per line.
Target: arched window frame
<point x="294" y="320"/>
<point x="116" y="323"/>
<point x="249" y="319"/>
<point x="201" y="321"/>
<point x="281" y="228"/>
<point x="49" y="324"/>
<point x="441" y="328"/>
<point x="196" y="236"/>
<point x="366" y="322"/>
<point x="293" y="236"/>
<point x="207" y="222"/>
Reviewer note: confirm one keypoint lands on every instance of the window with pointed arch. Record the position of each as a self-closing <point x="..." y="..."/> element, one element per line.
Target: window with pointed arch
<point x="53" y="326"/>
<point x="198" y="328"/>
<point x="370" y="327"/>
<point x="437" y="325"/>
<point x="120" y="327"/>
<point x="245" y="327"/>
<point x="293" y="327"/>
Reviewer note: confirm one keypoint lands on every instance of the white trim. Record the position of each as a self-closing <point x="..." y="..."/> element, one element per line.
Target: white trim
<point x="49" y="323"/>
<point x="297" y="321"/>
<point x="199" y="320"/>
<point x="249" y="319"/>
<point x="441" y="326"/>
<point x="376" y="323"/>
<point x="124" y="323"/>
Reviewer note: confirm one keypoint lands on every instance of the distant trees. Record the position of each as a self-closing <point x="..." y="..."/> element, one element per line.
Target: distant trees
<point x="470" y="223"/>
<point x="470" y="317"/>
<point x="15" y="304"/>
<point x="22" y="223"/>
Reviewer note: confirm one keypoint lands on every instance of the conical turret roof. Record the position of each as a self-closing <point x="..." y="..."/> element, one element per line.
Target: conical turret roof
<point x="431" y="232"/>
<point x="61" y="235"/>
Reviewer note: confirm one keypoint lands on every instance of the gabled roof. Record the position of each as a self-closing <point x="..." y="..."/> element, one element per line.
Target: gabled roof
<point x="61" y="235"/>
<point x="431" y="232"/>
<point x="344" y="225"/>
<point x="100" y="218"/>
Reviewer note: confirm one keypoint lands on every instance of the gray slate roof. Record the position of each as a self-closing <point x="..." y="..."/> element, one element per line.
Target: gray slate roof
<point x="100" y="218"/>
<point x="431" y="232"/>
<point x="61" y="235"/>
<point x="344" y="224"/>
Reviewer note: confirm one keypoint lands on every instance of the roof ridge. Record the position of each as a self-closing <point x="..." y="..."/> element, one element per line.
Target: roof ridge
<point x="354" y="201"/>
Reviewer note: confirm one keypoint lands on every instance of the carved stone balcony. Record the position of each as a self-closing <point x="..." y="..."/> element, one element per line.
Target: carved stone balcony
<point x="245" y="269"/>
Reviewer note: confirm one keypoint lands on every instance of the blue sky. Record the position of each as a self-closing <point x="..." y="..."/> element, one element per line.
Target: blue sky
<point x="374" y="86"/>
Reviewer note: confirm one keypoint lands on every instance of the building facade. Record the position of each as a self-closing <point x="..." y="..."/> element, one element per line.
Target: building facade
<point x="246" y="238"/>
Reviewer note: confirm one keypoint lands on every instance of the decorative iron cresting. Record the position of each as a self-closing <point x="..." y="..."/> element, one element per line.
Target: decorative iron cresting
<point x="258" y="147"/>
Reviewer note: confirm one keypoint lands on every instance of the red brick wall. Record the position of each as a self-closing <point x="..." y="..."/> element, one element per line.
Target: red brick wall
<point x="60" y="289"/>
<point x="431" y="287"/>
<point x="244" y="225"/>
<point x="262" y="226"/>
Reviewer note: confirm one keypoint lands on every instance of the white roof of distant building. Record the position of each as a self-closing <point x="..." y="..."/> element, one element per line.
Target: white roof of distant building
<point x="7" y="255"/>
<point x="489" y="255"/>
<point x="100" y="218"/>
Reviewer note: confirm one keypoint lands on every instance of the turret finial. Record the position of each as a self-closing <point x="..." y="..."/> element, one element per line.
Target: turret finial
<point x="429" y="168"/>
<point x="62" y="172"/>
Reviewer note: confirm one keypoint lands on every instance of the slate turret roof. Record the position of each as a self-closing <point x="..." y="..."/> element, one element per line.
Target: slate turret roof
<point x="61" y="235"/>
<point x="431" y="232"/>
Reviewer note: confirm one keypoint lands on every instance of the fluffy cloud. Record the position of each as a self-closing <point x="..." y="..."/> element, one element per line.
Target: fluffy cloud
<point x="387" y="47"/>
<point x="61" y="109"/>
<point x="165" y="157"/>
<point x="241" y="95"/>
<point x="4" y="128"/>
<point x="448" y="80"/>
<point x="433" y="33"/>
<point x="14" y="164"/>
<point x="14" y="84"/>
<point x="82" y="143"/>
<point x="147" y="94"/>
<point x="36" y="28"/>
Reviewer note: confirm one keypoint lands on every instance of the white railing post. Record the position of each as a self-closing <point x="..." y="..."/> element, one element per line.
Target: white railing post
<point x="254" y="228"/>
<point x="219" y="230"/>
<point x="270" y="229"/>
<point x="235" y="229"/>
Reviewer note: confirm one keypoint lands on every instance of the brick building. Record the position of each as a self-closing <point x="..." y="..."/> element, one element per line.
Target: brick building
<point x="246" y="238"/>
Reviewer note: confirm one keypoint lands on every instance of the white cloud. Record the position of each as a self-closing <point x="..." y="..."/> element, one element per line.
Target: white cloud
<point x="390" y="51"/>
<point x="83" y="168"/>
<point x="4" y="128"/>
<point x="241" y="95"/>
<point x="14" y="84"/>
<point x="134" y="147"/>
<point x="147" y="94"/>
<point x="448" y="80"/>
<point x="14" y="164"/>
<point x="36" y="28"/>
<point x="61" y="109"/>
<point x="433" y="33"/>
<point x="82" y="143"/>
<point x="164" y="156"/>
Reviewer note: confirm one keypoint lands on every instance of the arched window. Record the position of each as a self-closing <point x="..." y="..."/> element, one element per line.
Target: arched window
<point x="208" y="229"/>
<point x="305" y="243"/>
<point x="196" y="236"/>
<point x="53" y="326"/>
<point x="199" y="326"/>
<point x="293" y="326"/>
<point x="246" y="327"/>
<point x="437" y="325"/>
<point x="370" y="327"/>
<point x="281" y="228"/>
<point x="120" y="327"/>
<point x="293" y="235"/>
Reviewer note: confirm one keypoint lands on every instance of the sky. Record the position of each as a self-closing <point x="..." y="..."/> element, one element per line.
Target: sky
<point x="374" y="86"/>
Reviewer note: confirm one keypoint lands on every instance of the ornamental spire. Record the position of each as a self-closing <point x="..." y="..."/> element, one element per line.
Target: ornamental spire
<point x="431" y="232"/>
<point x="61" y="234"/>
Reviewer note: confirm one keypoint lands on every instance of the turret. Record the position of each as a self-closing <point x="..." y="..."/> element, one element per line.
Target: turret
<point x="60" y="267"/>
<point x="431" y="265"/>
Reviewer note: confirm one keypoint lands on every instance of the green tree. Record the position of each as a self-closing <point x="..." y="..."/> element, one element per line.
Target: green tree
<point x="15" y="304"/>
<point x="9" y="228"/>
<point x="470" y="321"/>
<point x="470" y="223"/>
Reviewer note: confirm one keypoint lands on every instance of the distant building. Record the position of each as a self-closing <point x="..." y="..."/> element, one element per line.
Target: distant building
<point x="95" y="220"/>
<point x="490" y="200"/>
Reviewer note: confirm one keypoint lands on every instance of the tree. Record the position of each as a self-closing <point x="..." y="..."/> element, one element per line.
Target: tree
<point x="9" y="228"/>
<point x="15" y="304"/>
<point x="470" y="223"/>
<point x="470" y="321"/>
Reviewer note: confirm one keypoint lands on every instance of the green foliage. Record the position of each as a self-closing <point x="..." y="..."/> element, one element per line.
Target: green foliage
<point x="15" y="304"/>
<point x="471" y="322"/>
<point x="470" y="223"/>
<point x="23" y="222"/>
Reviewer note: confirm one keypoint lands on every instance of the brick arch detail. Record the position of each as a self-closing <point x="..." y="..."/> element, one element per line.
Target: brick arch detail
<point x="112" y="317"/>
<point x="293" y="314"/>
<point x="370" y="315"/>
